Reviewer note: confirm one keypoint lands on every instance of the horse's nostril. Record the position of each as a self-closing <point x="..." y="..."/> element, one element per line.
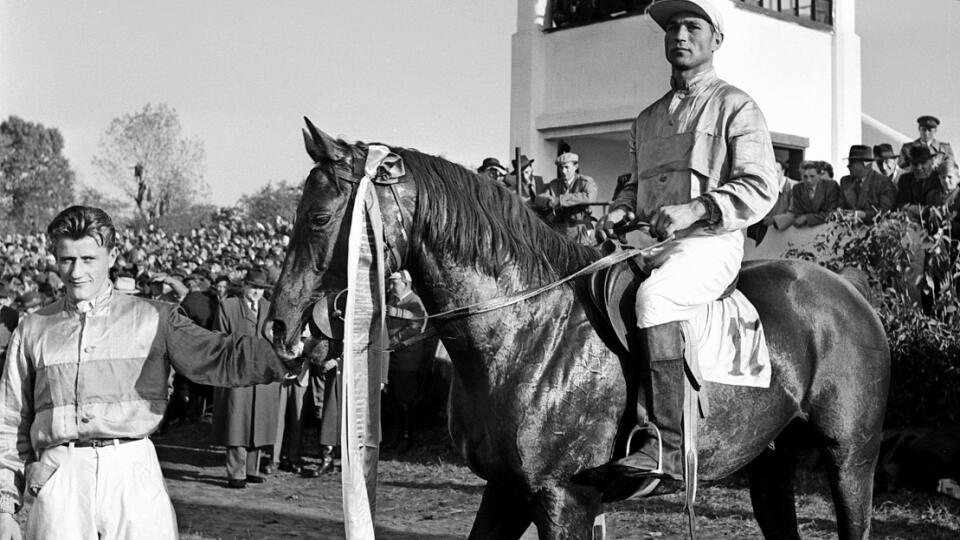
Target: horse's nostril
<point x="279" y="331"/>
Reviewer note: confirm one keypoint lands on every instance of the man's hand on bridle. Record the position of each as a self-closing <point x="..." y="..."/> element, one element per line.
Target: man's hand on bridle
<point x="614" y="225"/>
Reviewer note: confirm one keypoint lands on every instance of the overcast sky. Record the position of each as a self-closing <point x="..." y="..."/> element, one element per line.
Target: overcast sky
<point x="428" y="74"/>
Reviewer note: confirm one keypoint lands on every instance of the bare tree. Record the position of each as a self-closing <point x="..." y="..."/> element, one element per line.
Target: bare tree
<point x="149" y="158"/>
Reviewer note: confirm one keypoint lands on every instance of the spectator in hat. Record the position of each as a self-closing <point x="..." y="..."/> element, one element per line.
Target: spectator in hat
<point x="886" y="162"/>
<point x="124" y="284"/>
<point x="865" y="191"/>
<point x="492" y="169"/>
<point x="405" y="319"/>
<point x="912" y="190"/>
<point x="530" y="184"/>
<point x="245" y="419"/>
<point x="566" y="201"/>
<point x="927" y="126"/>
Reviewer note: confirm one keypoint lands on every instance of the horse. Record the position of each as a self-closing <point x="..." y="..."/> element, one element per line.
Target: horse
<point x="538" y="393"/>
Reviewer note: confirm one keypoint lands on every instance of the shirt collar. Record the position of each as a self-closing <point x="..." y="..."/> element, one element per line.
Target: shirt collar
<point x="698" y="81"/>
<point x="90" y="306"/>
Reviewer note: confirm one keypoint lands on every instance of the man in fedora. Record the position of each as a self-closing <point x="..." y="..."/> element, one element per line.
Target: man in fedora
<point x="865" y="191"/>
<point x="698" y="193"/>
<point x="245" y="419"/>
<point x="887" y="162"/>
<point x="492" y="169"/>
<point x="927" y="126"/>
<point x="912" y="192"/>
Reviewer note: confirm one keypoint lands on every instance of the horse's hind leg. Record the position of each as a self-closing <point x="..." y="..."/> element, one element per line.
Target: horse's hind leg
<point x="850" y="470"/>
<point x="771" y="491"/>
<point x="561" y="513"/>
<point x="503" y="513"/>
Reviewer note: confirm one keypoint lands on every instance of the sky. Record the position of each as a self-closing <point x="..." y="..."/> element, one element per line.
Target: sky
<point x="427" y="74"/>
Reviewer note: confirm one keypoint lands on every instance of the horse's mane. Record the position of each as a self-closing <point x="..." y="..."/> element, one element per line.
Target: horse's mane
<point x="485" y="225"/>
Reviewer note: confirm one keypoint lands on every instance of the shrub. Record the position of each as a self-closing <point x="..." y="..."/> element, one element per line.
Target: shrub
<point x="924" y="337"/>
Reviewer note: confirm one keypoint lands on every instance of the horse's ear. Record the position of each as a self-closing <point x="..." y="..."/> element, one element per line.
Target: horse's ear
<point x="321" y="147"/>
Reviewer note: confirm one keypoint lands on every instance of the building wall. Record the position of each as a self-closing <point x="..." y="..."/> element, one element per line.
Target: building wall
<point x="585" y="85"/>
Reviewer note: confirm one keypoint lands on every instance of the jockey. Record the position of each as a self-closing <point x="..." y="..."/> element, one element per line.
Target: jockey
<point x="703" y="170"/>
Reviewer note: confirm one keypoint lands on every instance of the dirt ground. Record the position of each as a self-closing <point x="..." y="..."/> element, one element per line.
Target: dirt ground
<point x="429" y="494"/>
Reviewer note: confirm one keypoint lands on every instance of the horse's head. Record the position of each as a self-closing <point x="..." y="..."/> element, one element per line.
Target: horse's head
<point x="315" y="264"/>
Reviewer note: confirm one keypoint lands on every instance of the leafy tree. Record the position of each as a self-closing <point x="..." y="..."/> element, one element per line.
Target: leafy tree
<point x="36" y="181"/>
<point x="149" y="158"/>
<point x="272" y="201"/>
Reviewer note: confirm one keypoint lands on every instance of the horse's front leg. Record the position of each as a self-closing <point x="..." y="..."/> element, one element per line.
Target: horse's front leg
<point x="567" y="512"/>
<point x="504" y="513"/>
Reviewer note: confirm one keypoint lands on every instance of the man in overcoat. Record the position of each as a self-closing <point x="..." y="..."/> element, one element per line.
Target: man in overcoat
<point x="245" y="419"/>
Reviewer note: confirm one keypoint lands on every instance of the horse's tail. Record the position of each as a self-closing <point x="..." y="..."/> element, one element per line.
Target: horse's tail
<point x="858" y="278"/>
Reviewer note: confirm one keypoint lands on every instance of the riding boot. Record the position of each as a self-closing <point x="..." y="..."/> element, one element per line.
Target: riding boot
<point x="659" y="411"/>
<point x="661" y="454"/>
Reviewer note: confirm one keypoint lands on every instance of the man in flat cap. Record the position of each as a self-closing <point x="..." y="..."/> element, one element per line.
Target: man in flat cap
<point x="927" y="126"/>
<point x="565" y="202"/>
<point x="703" y="170"/>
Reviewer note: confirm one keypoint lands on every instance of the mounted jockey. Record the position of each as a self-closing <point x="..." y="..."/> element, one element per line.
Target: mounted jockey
<point x="703" y="170"/>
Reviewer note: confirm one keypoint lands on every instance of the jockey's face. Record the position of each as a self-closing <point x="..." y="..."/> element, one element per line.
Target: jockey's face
<point x="690" y="42"/>
<point x="84" y="265"/>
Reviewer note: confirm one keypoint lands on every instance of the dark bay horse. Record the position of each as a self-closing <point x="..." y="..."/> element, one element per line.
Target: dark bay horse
<point x="538" y="394"/>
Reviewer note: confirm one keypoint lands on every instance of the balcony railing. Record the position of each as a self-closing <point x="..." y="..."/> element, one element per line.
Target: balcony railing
<point x="569" y="13"/>
<point x="813" y="11"/>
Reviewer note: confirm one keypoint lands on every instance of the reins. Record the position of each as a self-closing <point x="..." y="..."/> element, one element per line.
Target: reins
<point x="494" y="304"/>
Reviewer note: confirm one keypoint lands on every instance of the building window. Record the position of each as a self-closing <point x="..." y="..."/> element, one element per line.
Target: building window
<point x="816" y="11"/>
<point x="568" y="13"/>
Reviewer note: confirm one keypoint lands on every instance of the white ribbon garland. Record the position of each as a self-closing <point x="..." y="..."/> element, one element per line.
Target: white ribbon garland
<point x="364" y="341"/>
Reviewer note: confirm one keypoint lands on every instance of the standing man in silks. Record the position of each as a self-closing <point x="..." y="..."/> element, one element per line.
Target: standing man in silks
<point x="703" y="170"/>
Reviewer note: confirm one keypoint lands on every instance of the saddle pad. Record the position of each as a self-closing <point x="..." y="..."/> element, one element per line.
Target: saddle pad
<point x="731" y="345"/>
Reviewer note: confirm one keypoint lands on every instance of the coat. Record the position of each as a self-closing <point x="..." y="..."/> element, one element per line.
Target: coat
<point x="936" y="147"/>
<point x="872" y="194"/>
<point x="245" y="416"/>
<point x="826" y="199"/>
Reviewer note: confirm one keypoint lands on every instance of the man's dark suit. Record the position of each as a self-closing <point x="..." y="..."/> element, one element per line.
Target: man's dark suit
<point x="872" y="194"/>
<point x="826" y="198"/>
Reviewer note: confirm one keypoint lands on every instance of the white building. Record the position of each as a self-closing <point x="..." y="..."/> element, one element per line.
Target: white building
<point x="584" y="83"/>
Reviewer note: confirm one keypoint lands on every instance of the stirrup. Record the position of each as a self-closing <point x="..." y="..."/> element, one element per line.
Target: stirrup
<point x="659" y="469"/>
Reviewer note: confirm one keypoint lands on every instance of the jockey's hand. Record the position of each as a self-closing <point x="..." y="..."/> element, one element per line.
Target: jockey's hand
<point x="670" y="220"/>
<point x="616" y="218"/>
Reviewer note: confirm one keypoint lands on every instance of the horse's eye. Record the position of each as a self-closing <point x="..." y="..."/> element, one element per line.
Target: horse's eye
<point x="317" y="221"/>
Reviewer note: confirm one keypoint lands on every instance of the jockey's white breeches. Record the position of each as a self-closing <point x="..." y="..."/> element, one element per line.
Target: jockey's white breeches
<point x="688" y="273"/>
<point x="115" y="491"/>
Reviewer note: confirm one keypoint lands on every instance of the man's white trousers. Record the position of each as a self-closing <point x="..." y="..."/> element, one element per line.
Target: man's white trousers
<point x="113" y="492"/>
<point x="689" y="273"/>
